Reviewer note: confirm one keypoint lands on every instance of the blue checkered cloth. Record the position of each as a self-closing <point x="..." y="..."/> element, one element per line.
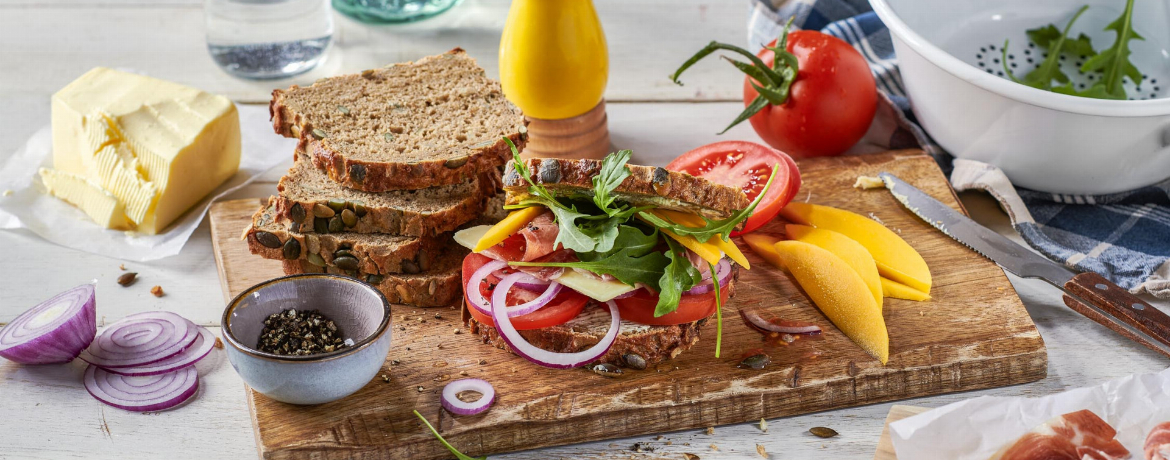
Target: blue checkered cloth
<point x="1123" y="236"/>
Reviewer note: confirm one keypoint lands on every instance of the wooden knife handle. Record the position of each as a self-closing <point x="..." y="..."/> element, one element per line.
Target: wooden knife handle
<point x="1119" y="304"/>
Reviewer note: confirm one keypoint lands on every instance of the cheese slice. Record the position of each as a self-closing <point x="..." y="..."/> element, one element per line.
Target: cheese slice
<point x="158" y="147"/>
<point x="594" y="288"/>
<point x="468" y="237"/>
<point x="100" y="205"/>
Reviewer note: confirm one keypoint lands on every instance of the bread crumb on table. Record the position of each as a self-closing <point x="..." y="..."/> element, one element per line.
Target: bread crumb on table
<point x="760" y="450"/>
<point x="157" y="291"/>
<point x="710" y="430"/>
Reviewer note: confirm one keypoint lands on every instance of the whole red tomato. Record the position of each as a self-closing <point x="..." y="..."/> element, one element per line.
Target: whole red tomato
<point x="830" y="105"/>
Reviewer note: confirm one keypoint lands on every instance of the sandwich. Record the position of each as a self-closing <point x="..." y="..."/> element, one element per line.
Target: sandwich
<point x="602" y="262"/>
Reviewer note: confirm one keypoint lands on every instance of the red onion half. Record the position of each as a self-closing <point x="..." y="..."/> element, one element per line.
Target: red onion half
<point x="141" y="338"/>
<point x="722" y="271"/>
<point x="553" y="359"/>
<point x="753" y="318"/>
<point x="142" y="394"/>
<point x="54" y="331"/>
<point x="456" y="406"/>
<point x="202" y="345"/>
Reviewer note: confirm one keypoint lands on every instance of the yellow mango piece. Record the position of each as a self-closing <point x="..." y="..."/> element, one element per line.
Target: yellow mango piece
<point x="515" y="221"/>
<point x="693" y="221"/>
<point x="761" y="244"/>
<point x="844" y="247"/>
<point x="705" y="251"/>
<point x="891" y="288"/>
<point x="895" y="258"/>
<point x="840" y="293"/>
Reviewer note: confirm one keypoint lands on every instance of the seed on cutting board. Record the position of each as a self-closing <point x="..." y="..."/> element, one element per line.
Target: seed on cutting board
<point x="292" y="249"/>
<point x="127" y="279"/>
<point x="757" y="362"/>
<point x="291" y="332"/>
<point x="822" y="432"/>
<point x="336" y="225"/>
<point x="634" y="360"/>
<point x="268" y="240"/>
<point x="157" y="291"/>
<point x="348" y="218"/>
<point x="323" y="211"/>
<point x="606" y="369"/>
<point x="297" y="212"/>
<point x="346" y="263"/>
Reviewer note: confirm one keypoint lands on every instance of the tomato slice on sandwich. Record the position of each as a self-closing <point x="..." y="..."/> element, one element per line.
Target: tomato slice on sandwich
<point x="562" y="308"/>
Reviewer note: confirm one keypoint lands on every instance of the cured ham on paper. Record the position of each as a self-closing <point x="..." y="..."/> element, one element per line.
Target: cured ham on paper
<point x="1080" y="435"/>
<point x="1157" y="445"/>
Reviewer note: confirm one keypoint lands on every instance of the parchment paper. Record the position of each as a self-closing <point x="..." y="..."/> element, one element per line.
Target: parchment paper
<point x="24" y="202"/>
<point x="976" y="428"/>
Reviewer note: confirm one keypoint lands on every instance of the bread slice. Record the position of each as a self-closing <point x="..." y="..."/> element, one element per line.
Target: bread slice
<point x="436" y="121"/>
<point x="647" y="185"/>
<point x="654" y="344"/>
<point x="306" y="192"/>
<point x="440" y="286"/>
<point x="375" y="253"/>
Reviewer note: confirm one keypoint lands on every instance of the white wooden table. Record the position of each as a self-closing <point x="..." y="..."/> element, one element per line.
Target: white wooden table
<point x="44" y="44"/>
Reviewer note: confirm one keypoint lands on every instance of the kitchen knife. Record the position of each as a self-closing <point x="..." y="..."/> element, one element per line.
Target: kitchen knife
<point x="1088" y="293"/>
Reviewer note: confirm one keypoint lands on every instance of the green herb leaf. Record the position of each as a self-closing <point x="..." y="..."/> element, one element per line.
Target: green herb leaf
<point x="604" y="232"/>
<point x="455" y="452"/>
<point x="1041" y="77"/>
<point x="1114" y="62"/>
<point x="630" y="265"/>
<point x="678" y="277"/>
<point x="568" y="233"/>
<point x="721" y="227"/>
<point x="613" y="172"/>
<point x="630" y="239"/>
<point x="718" y="311"/>
<point x="1048" y="35"/>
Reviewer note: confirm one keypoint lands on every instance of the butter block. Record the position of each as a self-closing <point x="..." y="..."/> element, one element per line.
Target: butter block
<point x="156" y="146"/>
<point x="100" y="205"/>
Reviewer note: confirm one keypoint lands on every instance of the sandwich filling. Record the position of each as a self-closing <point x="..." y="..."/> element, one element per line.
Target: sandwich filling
<point x="560" y="250"/>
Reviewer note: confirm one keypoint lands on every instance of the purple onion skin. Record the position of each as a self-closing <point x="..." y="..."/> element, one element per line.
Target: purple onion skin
<point x="61" y="345"/>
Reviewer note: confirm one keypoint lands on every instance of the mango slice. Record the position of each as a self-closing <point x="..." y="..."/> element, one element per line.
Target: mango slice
<point x="761" y="244"/>
<point x="895" y="258"/>
<point x="891" y="288"/>
<point x="840" y="293"/>
<point x="694" y="221"/>
<point x="515" y="221"/>
<point x="844" y="247"/>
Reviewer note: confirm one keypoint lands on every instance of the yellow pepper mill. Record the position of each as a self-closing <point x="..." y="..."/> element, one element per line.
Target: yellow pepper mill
<point x="554" y="64"/>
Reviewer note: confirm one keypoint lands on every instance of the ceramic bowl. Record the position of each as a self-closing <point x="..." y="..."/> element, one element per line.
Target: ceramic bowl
<point x="950" y="59"/>
<point x="360" y="312"/>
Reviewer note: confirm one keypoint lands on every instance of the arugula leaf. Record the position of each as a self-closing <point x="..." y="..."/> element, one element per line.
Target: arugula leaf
<point x="678" y="277"/>
<point x="1041" y="77"/>
<point x="1114" y="62"/>
<point x="455" y="452"/>
<point x="603" y="232"/>
<point x="613" y="172"/>
<point x="721" y="227"/>
<point x="718" y="311"/>
<point x="622" y="264"/>
<point x="568" y="233"/>
<point x="1048" y="35"/>
<point x="630" y="239"/>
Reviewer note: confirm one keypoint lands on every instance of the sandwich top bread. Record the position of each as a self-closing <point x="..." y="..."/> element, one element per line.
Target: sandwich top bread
<point x="436" y="121"/>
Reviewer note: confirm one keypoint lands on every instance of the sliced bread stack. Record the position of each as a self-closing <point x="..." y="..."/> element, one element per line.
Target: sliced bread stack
<point x="388" y="164"/>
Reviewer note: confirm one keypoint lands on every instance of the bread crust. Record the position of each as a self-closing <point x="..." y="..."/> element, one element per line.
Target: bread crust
<point x="438" y="289"/>
<point x="646" y="185"/>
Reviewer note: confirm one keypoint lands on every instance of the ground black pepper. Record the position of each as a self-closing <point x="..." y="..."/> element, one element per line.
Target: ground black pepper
<point x="300" y="333"/>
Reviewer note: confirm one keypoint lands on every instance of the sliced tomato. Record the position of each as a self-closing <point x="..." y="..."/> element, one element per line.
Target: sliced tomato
<point x="562" y="308"/>
<point x="639" y="308"/>
<point x="746" y="165"/>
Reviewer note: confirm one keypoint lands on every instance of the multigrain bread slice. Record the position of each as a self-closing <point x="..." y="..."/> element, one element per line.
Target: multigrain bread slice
<point x="350" y="252"/>
<point x="647" y="185"/>
<point x="314" y="203"/>
<point x="438" y="287"/>
<point x="435" y="121"/>
<point x="654" y="344"/>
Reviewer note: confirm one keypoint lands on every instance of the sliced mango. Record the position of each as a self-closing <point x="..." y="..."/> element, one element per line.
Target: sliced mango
<point x="844" y="247"/>
<point x="840" y="293"/>
<point x="693" y="221"/>
<point x="515" y="221"/>
<point x="895" y="258"/>
<point x="705" y="251"/>
<point x="891" y="288"/>
<point x="761" y="244"/>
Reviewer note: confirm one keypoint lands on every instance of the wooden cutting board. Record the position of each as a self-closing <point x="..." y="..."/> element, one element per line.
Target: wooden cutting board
<point x="885" y="447"/>
<point x="974" y="334"/>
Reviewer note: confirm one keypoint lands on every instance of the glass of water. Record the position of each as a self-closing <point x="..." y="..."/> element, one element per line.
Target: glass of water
<point x="268" y="39"/>
<point x="392" y="11"/>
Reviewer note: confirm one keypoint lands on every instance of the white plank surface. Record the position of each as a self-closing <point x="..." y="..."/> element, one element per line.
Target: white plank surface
<point x="44" y="411"/>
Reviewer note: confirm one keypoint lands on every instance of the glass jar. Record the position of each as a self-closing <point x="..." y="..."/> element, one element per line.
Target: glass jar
<point x="268" y="39"/>
<point x="392" y="11"/>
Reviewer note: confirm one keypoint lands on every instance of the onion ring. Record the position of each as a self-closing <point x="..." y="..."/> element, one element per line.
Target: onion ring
<point x="456" y="406"/>
<point x="202" y="345"/>
<point x="141" y="338"/>
<point x="472" y="288"/>
<point x="723" y="270"/>
<point x="552" y="359"/>
<point x="142" y="394"/>
<point x="753" y="319"/>
<point x="500" y="296"/>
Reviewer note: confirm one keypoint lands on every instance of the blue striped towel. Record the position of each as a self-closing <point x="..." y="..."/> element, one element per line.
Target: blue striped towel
<point x="1123" y="236"/>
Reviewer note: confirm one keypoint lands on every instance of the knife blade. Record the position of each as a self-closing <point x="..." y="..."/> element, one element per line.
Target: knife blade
<point x="1088" y="293"/>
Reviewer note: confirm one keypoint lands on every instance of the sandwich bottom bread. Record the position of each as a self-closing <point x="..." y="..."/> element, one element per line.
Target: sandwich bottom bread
<point x="601" y="262"/>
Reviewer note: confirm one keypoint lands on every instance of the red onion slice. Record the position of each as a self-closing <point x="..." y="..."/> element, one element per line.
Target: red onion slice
<point x="527" y="281"/>
<point x="722" y="269"/>
<point x="456" y="406"/>
<point x="142" y="394"/>
<point x="753" y="318"/>
<point x="202" y="345"/>
<point x="477" y="277"/>
<point x="500" y="296"/>
<point x="141" y="338"/>
<point x="553" y="359"/>
<point x="54" y="331"/>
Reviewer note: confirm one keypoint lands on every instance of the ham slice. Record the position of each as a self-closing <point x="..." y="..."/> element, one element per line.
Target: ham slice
<point x="1157" y="445"/>
<point x="1080" y="435"/>
<point x="537" y="239"/>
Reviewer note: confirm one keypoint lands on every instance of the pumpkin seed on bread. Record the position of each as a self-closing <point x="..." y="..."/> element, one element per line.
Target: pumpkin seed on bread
<point x="436" y="121"/>
<point x="438" y="287"/>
